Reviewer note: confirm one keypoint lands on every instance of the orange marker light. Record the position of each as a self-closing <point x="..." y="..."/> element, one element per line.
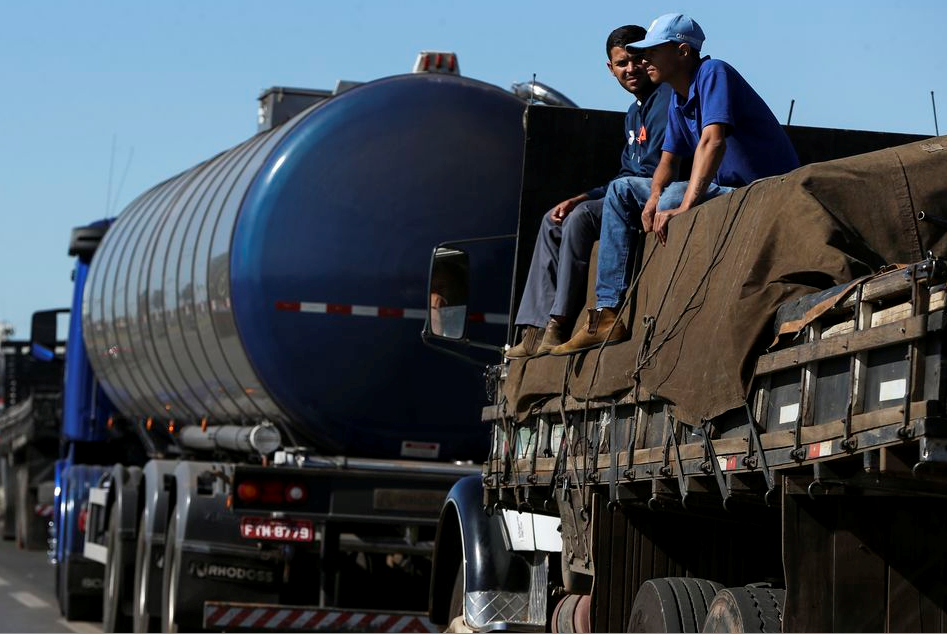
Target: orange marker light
<point x="149" y="423"/>
<point x="204" y="424"/>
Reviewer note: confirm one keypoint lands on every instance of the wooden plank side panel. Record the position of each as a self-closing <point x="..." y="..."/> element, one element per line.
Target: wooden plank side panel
<point x="619" y="545"/>
<point x="632" y="573"/>
<point x="917" y="572"/>
<point x="859" y="567"/>
<point x="808" y="552"/>
<point x="602" y="545"/>
<point x="859" y="341"/>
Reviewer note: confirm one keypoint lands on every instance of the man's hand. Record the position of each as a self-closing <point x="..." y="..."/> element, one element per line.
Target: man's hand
<point x="661" y="220"/>
<point x="647" y="214"/>
<point x="563" y="209"/>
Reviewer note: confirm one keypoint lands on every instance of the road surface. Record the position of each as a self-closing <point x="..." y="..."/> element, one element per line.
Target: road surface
<point x="27" y="595"/>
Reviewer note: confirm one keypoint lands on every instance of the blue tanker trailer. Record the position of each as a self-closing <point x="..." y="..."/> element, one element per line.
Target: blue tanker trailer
<point x="250" y="415"/>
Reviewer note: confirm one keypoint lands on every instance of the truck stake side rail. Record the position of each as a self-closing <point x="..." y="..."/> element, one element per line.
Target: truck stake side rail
<point x="858" y="401"/>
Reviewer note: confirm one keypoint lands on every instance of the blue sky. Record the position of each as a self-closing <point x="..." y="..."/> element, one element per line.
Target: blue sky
<point x="176" y="82"/>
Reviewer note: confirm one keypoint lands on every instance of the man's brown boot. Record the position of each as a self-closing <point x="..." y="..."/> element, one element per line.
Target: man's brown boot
<point x="552" y="338"/>
<point x="528" y="345"/>
<point x="598" y="330"/>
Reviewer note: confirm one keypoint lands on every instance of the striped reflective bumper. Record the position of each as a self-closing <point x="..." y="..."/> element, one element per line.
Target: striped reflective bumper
<point x="219" y="615"/>
<point x="357" y="310"/>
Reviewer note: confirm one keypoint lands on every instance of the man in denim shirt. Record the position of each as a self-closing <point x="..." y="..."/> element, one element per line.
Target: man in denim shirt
<point x="554" y="291"/>
<point x="714" y="116"/>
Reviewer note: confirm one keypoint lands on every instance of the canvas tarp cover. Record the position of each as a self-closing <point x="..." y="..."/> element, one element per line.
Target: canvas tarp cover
<point x="714" y="289"/>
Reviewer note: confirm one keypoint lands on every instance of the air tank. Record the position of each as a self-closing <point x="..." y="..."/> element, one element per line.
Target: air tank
<point x="285" y="278"/>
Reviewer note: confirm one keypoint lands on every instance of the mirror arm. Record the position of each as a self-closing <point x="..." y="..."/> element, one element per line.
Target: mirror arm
<point x="453" y="353"/>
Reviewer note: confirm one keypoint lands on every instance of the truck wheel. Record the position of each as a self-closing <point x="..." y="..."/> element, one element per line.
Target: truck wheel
<point x="455" y="614"/>
<point x="170" y="619"/>
<point x="142" y="621"/>
<point x="114" y="614"/>
<point x="746" y="610"/>
<point x="169" y="584"/>
<point x="672" y="604"/>
<point x="457" y="596"/>
<point x="75" y="606"/>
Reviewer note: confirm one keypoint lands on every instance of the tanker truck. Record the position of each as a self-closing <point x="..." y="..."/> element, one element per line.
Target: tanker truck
<point x="253" y="435"/>
<point x="765" y="452"/>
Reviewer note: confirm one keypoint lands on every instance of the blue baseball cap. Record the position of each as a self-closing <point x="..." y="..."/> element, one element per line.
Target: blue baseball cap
<point x="671" y="27"/>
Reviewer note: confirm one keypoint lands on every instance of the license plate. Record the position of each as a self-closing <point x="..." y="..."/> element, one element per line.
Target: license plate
<point x="276" y="530"/>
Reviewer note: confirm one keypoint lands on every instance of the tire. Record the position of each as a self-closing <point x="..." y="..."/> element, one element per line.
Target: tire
<point x="170" y="620"/>
<point x="747" y="609"/>
<point x="457" y="596"/>
<point x="75" y="606"/>
<point x="672" y="604"/>
<point x="115" y="617"/>
<point x="142" y="620"/>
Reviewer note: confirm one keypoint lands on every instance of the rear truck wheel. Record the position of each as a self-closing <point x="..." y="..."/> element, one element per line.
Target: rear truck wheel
<point x="747" y="609"/>
<point x="672" y="604"/>
<point x="455" y="615"/>
<point x="75" y="606"/>
<point x="142" y="620"/>
<point x="572" y="614"/>
<point x="169" y="582"/>
<point x="116" y="612"/>
<point x="457" y="596"/>
<point x="171" y="621"/>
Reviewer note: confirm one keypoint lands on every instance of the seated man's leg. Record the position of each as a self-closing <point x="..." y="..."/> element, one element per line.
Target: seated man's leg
<point x="580" y="229"/>
<point x="673" y="194"/>
<point x="540" y="290"/>
<point x="621" y="222"/>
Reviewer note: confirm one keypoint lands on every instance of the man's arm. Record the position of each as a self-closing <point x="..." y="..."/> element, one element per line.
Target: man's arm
<point x="707" y="158"/>
<point x="664" y="175"/>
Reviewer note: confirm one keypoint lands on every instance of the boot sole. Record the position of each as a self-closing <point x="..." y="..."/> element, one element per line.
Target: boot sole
<point x="587" y="348"/>
<point x="533" y="356"/>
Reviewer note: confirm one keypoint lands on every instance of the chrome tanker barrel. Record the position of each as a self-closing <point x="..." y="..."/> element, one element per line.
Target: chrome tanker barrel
<point x="284" y="279"/>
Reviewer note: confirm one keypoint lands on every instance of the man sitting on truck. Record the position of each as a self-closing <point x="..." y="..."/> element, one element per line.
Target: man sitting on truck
<point x="714" y="116"/>
<point x="555" y="286"/>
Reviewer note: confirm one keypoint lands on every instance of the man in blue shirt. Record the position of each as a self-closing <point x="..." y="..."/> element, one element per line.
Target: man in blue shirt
<point x="555" y="287"/>
<point x="714" y="116"/>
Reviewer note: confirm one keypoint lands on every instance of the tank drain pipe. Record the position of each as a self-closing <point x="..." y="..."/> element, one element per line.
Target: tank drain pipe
<point x="263" y="438"/>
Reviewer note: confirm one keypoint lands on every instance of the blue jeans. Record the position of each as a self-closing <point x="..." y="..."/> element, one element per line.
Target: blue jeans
<point x="621" y="222"/>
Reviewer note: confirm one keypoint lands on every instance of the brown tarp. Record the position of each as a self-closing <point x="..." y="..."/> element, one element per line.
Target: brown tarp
<point x="713" y="291"/>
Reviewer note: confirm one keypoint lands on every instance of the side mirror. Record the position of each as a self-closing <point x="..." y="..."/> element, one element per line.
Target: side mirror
<point x="47" y="333"/>
<point x="458" y="314"/>
<point x="449" y="289"/>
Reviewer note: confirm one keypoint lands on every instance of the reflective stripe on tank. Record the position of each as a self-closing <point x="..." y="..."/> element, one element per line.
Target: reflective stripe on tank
<point x="379" y="311"/>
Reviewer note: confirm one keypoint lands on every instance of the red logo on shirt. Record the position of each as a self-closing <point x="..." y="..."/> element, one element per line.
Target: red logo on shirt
<point x="642" y="135"/>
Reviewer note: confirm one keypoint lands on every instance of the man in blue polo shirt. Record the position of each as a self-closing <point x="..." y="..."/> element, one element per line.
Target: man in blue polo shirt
<point x="555" y="287"/>
<point x="714" y="116"/>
